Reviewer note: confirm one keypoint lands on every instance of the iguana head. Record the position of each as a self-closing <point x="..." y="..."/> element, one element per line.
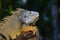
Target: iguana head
<point x="28" y="17"/>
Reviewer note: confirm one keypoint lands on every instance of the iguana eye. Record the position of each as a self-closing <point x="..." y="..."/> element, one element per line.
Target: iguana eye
<point x="30" y="13"/>
<point x="25" y="16"/>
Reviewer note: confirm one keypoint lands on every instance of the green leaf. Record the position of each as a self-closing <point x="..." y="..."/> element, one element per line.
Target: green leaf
<point x="10" y="9"/>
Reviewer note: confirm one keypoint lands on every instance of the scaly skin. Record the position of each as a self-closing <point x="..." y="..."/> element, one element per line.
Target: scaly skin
<point x="10" y="27"/>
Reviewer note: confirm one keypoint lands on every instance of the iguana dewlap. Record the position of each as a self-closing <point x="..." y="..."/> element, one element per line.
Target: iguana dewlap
<point x="11" y="25"/>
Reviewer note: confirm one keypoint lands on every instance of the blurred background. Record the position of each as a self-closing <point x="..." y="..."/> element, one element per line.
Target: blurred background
<point x="48" y="23"/>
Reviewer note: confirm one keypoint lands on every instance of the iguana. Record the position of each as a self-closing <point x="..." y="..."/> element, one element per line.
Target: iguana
<point x="10" y="27"/>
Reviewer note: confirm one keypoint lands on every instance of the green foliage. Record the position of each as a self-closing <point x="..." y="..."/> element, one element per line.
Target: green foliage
<point x="9" y="10"/>
<point x="5" y="8"/>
